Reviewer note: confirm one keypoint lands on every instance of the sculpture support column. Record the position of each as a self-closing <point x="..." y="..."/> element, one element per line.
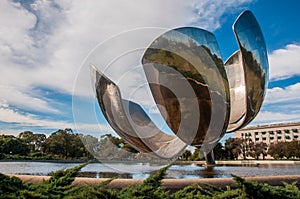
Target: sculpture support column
<point x="210" y="159"/>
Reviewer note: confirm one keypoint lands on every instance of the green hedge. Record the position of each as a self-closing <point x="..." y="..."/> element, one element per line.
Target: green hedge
<point x="60" y="186"/>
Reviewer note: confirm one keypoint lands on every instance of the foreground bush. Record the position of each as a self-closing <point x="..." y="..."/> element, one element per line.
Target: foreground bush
<point x="60" y="186"/>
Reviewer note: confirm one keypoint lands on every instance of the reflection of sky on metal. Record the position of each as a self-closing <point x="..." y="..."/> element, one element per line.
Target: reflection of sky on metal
<point x="256" y="42"/>
<point x="202" y="37"/>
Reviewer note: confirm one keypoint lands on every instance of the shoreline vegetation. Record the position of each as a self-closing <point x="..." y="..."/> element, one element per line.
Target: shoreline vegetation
<point x="61" y="185"/>
<point x="67" y="146"/>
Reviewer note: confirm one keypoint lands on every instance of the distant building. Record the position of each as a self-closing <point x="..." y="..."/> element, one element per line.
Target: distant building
<point x="269" y="134"/>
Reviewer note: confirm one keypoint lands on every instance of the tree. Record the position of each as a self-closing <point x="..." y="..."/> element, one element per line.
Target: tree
<point x="13" y="146"/>
<point x="256" y="149"/>
<point x="219" y="152"/>
<point x="277" y="150"/>
<point x="196" y="156"/>
<point x="111" y="147"/>
<point x="232" y="148"/>
<point x="33" y="141"/>
<point x="91" y="144"/>
<point x="65" y="144"/>
<point x="296" y="147"/>
<point x="292" y="149"/>
<point x="38" y="141"/>
<point x="185" y="155"/>
<point x="118" y="142"/>
<point x="129" y="148"/>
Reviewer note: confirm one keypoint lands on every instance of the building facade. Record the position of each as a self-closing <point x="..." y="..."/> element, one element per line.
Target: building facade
<point x="269" y="134"/>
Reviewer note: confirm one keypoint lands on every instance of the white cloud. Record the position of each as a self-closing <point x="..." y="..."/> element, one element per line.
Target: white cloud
<point x="15" y="23"/>
<point x="285" y="62"/>
<point x="27" y="99"/>
<point x="280" y="105"/>
<point x="288" y="94"/>
<point x="209" y="12"/>
<point x="8" y="115"/>
<point x="269" y="117"/>
<point x="46" y="45"/>
<point x="43" y="44"/>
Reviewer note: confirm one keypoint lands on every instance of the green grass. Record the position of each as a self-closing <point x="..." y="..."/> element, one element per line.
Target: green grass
<point x="60" y="186"/>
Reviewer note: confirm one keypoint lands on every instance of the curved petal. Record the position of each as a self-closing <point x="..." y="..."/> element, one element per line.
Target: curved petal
<point x="130" y="121"/>
<point x="247" y="71"/>
<point x="189" y="56"/>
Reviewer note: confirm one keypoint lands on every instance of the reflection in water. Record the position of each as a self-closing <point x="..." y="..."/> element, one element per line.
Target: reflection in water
<point x="104" y="175"/>
<point x="143" y="170"/>
<point x="208" y="172"/>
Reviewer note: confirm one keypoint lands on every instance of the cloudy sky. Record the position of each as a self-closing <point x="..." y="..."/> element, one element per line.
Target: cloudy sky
<point x="43" y="45"/>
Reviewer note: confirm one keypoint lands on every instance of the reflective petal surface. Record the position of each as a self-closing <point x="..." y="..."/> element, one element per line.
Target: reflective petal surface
<point x="194" y="53"/>
<point x="247" y="71"/>
<point x="130" y="121"/>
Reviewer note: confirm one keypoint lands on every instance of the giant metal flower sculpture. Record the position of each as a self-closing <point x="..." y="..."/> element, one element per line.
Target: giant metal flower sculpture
<point x="199" y="96"/>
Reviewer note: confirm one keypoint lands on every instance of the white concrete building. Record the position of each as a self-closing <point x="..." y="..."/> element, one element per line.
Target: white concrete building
<point x="273" y="133"/>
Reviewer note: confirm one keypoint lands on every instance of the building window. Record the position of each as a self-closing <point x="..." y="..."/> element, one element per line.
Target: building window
<point x="279" y="137"/>
<point x="256" y="139"/>
<point x="287" y="131"/>
<point x="271" y="138"/>
<point x="287" y="137"/>
<point x="295" y="130"/>
<point x="256" y="133"/>
<point x="296" y="136"/>
<point x="271" y="132"/>
<point x="278" y="131"/>
<point x="249" y="134"/>
<point x="264" y="132"/>
<point x="242" y="134"/>
<point x="264" y="138"/>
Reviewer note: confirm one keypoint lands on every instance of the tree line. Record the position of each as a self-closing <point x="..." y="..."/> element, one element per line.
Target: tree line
<point x="235" y="148"/>
<point x="62" y="144"/>
<point x="248" y="149"/>
<point x="65" y="144"/>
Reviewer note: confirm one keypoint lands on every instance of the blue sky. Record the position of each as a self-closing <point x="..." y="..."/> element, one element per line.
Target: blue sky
<point x="43" y="45"/>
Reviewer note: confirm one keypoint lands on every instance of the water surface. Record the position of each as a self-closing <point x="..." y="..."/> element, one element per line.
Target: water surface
<point x="143" y="170"/>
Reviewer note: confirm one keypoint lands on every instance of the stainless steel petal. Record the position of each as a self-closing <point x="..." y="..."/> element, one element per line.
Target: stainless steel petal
<point x="194" y="53"/>
<point x="130" y="121"/>
<point x="238" y="103"/>
<point x="247" y="71"/>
